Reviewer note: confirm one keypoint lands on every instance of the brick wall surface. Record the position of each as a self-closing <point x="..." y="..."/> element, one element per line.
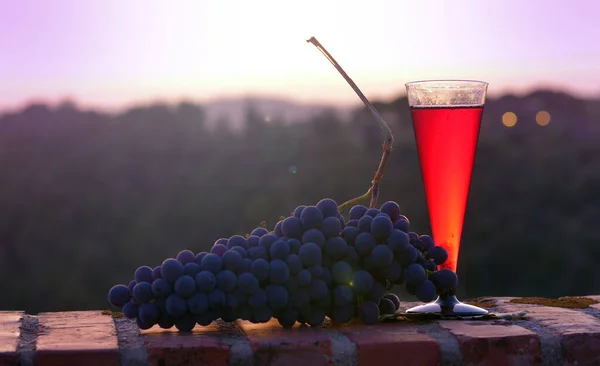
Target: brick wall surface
<point x="547" y="336"/>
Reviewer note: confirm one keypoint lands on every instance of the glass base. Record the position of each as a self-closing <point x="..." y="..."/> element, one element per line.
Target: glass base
<point x="448" y="305"/>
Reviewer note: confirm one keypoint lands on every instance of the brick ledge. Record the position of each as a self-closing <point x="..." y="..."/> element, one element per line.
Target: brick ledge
<point x="549" y="336"/>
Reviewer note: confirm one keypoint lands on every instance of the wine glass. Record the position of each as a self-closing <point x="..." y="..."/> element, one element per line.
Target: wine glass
<point x="446" y="117"/>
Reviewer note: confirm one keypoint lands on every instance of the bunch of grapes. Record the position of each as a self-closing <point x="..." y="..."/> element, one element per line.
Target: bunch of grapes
<point x="313" y="265"/>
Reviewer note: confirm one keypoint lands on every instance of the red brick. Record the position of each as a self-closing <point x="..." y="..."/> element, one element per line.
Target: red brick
<point x="377" y="345"/>
<point x="76" y="338"/>
<point x="9" y="337"/>
<point x="579" y="332"/>
<point x="202" y="346"/>
<point x="301" y="345"/>
<point x="484" y="343"/>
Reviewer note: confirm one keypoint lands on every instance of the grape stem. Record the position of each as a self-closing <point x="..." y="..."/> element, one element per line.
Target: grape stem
<point x="355" y="200"/>
<point x="373" y="191"/>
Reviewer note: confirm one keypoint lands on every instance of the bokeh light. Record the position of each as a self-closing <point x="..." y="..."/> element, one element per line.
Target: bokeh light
<point x="509" y="119"/>
<point x="542" y="118"/>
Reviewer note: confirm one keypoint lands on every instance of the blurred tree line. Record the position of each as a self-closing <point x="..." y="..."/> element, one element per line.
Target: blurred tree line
<point x="87" y="197"/>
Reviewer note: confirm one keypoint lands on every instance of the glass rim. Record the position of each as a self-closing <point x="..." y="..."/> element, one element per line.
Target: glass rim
<point x="448" y="82"/>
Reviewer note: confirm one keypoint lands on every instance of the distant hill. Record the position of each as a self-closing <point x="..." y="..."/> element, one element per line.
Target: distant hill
<point x="234" y="110"/>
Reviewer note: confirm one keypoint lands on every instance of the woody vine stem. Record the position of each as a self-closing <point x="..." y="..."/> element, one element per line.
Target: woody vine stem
<point x="373" y="191"/>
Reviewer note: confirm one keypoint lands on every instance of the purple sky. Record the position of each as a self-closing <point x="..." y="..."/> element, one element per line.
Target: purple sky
<point x="111" y="53"/>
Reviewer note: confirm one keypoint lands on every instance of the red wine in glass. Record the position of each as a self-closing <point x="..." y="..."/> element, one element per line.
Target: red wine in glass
<point x="446" y="141"/>
<point x="446" y="117"/>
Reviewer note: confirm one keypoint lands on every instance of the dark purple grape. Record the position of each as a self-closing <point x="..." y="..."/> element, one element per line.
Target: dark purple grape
<point x="288" y="318"/>
<point x="369" y="312"/>
<point x="161" y="288"/>
<point x="279" y="272"/>
<point x="199" y="257"/>
<point x="376" y="293"/>
<point x="191" y="269"/>
<point x="304" y="278"/>
<point x="292" y="227"/>
<point x="278" y="232"/>
<point x="386" y="306"/>
<point x="185" y="286"/>
<point x="352" y="223"/>
<point x="402" y="225"/>
<point x="364" y="243"/>
<point x="332" y="226"/>
<point x="175" y="305"/>
<point x="381" y="256"/>
<point x="267" y="240"/>
<point x="372" y="212"/>
<point x="156" y="274"/>
<point x="241" y="251"/>
<point x="119" y="295"/>
<point x="364" y="224"/>
<point x="142" y="325"/>
<point x="310" y="253"/>
<point x="226" y="281"/>
<point x="294" y="263"/>
<point x="185" y="323"/>
<point x="414" y="274"/>
<point x="298" y="211"/>
<point x="381" y="227"/>
<point x="130" y="310"/>
<point x="349" y="234"/>
<point x="312" y="217"/>
<point x="444" y="280"/>
<point x="438" y="254"/>
<point x="393" y="298"/>
<point x="142" y="292"/>
<point x="252" y="241"/>
<point x="392" y="209"/>
<point x="219" y="249"/>
<point x="393" y="272"/>
<point x="336" y="248"/>
<point x="211" y="262"/>
<point x="294" y="245"/>
<point x="314" y="236"/>
<point x="279" y="250"/>
<point x="328" y="207"/>
<point x="148" y="313"/>
<point x="143" y="274"/>
<point x="407" y="256"/>
<point x="316" y="317"/>
<point x="259" y="231"/>
<point x="237" y="241"/>
<point x="426" y="291"/>
<point x="316" y="271"/>
<point x="277" y="296"/>
<point x="206" y="281"/>
<point x="357" y="211"/>
<point x="248" y="283"/>
<point x="221" y="241"/>
<point x="362" y="282"/>
<point x="352" y="257"/>
<point x="398" y="241"/>
<point x="186" y="256"/>
<point x="260" y="269"/>
<point x="343" y="295"/>
<point x="342" y="273"/>
<point x="427" y="242"/>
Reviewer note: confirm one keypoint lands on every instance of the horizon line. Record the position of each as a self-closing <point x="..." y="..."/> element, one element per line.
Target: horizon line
<point x="242" y="96"/>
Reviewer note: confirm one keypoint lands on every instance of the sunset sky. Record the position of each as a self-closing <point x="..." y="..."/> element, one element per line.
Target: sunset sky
<point x="111" y="53"/>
